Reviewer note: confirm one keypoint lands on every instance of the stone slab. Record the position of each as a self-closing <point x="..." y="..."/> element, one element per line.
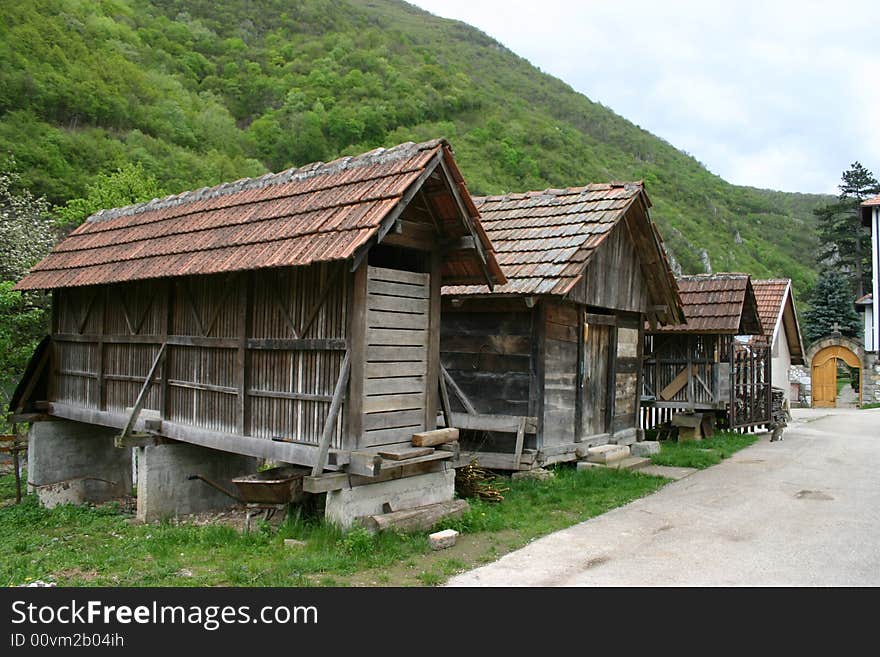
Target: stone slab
<point x="540" y="474"/>
<point x="645" y="448"/>
<point x="668" y="471"/>
<point x="607" y="453"/>
<point x="442" y="539"/>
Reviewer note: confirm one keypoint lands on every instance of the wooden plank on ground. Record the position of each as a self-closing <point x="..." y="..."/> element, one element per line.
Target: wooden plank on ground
<point x="418" y="519"/>
<point x="404" y="453"/>
<point x="435" y="437"/>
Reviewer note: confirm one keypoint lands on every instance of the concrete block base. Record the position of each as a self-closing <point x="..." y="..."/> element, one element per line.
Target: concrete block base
<point x="628" y="436"/>
<point x="345" y="507"/>
<point x="164" y="489"/>
<point x="645" y="448"/>
<point x="73" y="462"/>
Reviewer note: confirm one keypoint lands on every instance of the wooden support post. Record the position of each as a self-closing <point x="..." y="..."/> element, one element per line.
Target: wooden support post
<point x="330" y="424"/>
<point x="612" y="379"/>
<point x="241" y="358"/>
<point x="142" y="397"/>
<point x="357" y="339"/>
<point x="99" y="348"/>
<point x="468" y="407"/>
<point x="520" y="439"/>
<point x="444" y="401"/>
<point x="691" y="399"/>
<point x="166" y="329"/>
<point x="580" y="368"/>
<point x="433" y="370"/>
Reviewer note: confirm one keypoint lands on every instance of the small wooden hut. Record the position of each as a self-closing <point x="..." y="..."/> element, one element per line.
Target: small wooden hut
<point x="293" y="317"/>
<point x="547" y="365"/>
<point x="699" y="365"/>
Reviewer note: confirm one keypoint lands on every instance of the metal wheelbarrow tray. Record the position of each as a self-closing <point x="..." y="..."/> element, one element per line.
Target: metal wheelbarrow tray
<point x="279" y="485"/>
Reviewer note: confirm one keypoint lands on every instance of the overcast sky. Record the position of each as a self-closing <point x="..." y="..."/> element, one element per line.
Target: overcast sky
<point x="781" y="95"/>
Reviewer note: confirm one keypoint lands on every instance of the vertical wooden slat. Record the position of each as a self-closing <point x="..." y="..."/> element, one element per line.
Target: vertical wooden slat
<point x="433" y="371"/>
<point x="357" y="335"/>
<point x="579" y="380"/>
<point x="166" y="328"/>
<point x="536" y="371"/>
<point x="241" y="360"/>
<point x="611" y="385"/>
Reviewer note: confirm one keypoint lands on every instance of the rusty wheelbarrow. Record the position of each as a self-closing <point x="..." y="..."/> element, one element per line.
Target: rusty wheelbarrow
<point x="267" y="491"/>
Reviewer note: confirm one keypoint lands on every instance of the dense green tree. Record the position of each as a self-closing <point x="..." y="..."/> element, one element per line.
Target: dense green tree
<point x="128" y="184"/>
<point x="844" y="241"/>
<point x="831" y="305"/>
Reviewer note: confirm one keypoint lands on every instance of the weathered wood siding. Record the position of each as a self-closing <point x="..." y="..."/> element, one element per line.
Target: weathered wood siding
<point x="613" y="279"/>
<point x="627" y="370"/>
<point x="489" y="355"/>
<point x="561" y="353"/>
<point x="252" y="353"/>
<point x="596" y="385"/>
<point x="396" y="355"/>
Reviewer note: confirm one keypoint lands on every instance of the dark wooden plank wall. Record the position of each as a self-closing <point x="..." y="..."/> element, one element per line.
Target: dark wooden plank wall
<point x="489" y="355"/>
<point x="256" y="353"/>
<point x="614" y="279"/>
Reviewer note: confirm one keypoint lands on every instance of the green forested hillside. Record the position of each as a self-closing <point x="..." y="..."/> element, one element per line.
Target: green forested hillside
<point x="202" y="91"/>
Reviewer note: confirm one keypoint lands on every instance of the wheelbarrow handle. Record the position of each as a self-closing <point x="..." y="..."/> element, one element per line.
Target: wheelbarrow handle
<point x="215" y="485"/>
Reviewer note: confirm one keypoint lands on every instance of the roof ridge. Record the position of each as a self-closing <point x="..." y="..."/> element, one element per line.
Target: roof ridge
<point x="306" y="171"/>
<point x="559" y="191"/>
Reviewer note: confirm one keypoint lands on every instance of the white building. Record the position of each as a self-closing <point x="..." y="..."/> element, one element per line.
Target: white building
<point x="865" y="306"/>
<point x="781" y="329"/>
<point x="871" y="217"/>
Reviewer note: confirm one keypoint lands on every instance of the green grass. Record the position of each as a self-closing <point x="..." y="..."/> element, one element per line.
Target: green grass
<point x="100" y="546"/>
<point x="702" y="453"/>
<point x="871" y="405"/>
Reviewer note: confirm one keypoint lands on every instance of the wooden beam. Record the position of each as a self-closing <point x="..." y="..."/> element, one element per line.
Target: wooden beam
<point x="520" y="437"/>
<point x="282" y="451"/>
<point x="330" y="424"/>
<point x="502" y="423"/>
<point x="435" y="437"/>
<point x="366" y="464"/>
<point x="602" y="320"/>
<point x="433" y="373"/>
<point x="142" y="396"/>
<point x="357" y="340"/>
<point x="458" y="392"/>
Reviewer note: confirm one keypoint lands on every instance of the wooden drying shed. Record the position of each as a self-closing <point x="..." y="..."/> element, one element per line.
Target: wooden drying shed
<point x="699" y="365"/>
<point x="782" y="331"/>
<point x="547" y="365"/>
<point x="292" y="317"/>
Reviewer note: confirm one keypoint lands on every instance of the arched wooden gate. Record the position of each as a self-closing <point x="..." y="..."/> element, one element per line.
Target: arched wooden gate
<point x="824" y="374"/>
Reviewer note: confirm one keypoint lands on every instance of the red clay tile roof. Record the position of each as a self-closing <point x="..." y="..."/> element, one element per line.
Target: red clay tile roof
<point x="770" y="295"/>
<point x="866" y="208"/>
<point x="544" y="239"/>
<point x="318" y="212"/>
<point x="717" y="303"/>
<point x="872" y="201"/>
<point x="865" y="300"/>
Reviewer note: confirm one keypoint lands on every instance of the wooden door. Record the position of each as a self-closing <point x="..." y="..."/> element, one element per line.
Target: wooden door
<point x="396" y="355"/>
<point x="824" y="377"/>
<point x="596" y="390"/>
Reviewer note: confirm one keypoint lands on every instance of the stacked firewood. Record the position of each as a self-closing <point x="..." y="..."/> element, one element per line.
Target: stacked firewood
<point x="474" y="481"/>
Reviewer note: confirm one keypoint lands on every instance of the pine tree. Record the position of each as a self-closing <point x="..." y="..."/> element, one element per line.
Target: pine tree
<point x="831" y="303"/>
<point x="845" y="242"/>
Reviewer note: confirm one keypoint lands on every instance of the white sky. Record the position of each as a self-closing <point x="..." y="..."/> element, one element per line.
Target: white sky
<point x="774" y="94"/>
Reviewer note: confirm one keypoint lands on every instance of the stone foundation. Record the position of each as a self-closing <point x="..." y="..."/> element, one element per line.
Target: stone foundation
<point x="165" y="490"/>
<point x="72" y="462"/>
<point x="871" y="378"/>
<point x="344" y="507"/>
